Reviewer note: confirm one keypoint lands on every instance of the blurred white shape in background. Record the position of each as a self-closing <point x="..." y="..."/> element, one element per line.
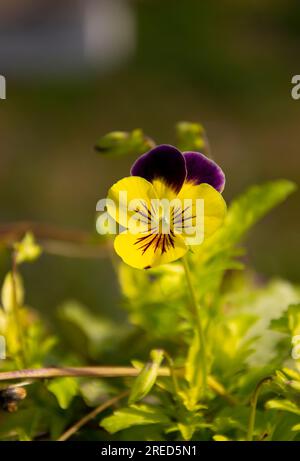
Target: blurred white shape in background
<point x="2" y="87"/>
<point x="109" y="30"/>
<point x="2" y="348"/>
<point x="55" y="37"/>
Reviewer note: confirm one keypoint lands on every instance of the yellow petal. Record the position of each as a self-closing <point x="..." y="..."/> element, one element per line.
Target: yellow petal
<point x="132" y="249"/>
<point x="163" y="190"/>
<point x="206" y="219"/>
<point x="129" y="196"/>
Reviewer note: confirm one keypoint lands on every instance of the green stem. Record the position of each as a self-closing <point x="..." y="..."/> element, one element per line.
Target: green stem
<point x="172" y="373"/>
<point x="17" y="319"/>
<point x="196" y="314"/>
<point x="253" y="404"/>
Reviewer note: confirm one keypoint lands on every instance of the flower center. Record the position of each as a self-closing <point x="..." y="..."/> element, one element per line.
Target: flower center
<point x="162" y="223"/>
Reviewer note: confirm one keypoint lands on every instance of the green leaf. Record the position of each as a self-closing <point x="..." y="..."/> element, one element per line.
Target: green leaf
<point x="7" y="294"/>
<point x="283" y="405"/>
<point x="289" y="322"/>
<point x="192" y="136"/>
<point x="281" y="324"/>
<point x="64" y="389"/>
<point x="292" y="374"/>
<point x="186" y="430"/>
<point x="220" y="438"/>
<point x="268" y="303"/>
<point x="294" y="318"/>
<point x="39" y="344"/>
<point x="137" y="415"/>
<point x="124" y="143"/>
<point x="255" y="203"/>
<point x="150" y="309"/>
<point x="147" y="377"/>
<point x="88" y="332"/>
<point x="20" y="423"/>
<point x="96" y="391"/>
<point x="283" y="426"/>
<point x="27" y="250"/>
<point x="236" y="418"/>
<point x="244" y="212"/>
<point x="219" y="253"/>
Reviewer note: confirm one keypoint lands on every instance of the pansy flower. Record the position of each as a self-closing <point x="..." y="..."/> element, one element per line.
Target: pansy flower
<point x="165" y="173"/>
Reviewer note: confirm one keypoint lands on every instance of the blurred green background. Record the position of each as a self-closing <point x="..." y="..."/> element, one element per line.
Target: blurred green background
<point x="78" y="69"/>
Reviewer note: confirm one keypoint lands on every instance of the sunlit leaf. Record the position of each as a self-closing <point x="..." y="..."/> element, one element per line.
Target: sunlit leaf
<point x="244" y="212"/>
<point x="27" y="250"/>
<point x="220" y="438"/>
<point x="283" y="405"/>
<point x="136" y="415"/>
<point x="64" y="389"/>
<point x="147" y="377"/>
<point x="12" y="291"/>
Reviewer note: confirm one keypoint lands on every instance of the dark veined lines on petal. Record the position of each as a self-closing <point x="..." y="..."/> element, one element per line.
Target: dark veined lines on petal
<point x="147" y="214"/>
<point x="180" y="218"/>
<point x="179" y="212"/>
<point x="159" y="241"/>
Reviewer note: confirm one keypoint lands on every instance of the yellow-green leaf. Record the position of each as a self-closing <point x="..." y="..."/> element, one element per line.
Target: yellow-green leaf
<point x="147" y="377"/>
<point x="12" y="291"/>
<point x="27" y="250"/>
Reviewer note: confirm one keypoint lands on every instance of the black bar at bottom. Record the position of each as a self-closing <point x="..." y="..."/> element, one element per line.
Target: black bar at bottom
<point x="91" y="451"/>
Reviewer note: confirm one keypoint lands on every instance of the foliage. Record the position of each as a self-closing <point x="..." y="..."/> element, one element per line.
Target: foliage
<point x="251" y="330"/>
<point x="192" y="136"/>
<point x="124" y="143"/>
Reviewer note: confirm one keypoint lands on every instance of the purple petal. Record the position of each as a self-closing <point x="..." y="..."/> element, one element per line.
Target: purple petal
<point x="164" y="162"/>
<point x="201" y="169"/>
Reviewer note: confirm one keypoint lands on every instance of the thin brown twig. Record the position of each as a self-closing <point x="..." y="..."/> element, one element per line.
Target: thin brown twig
<point x="17" y="229"/>
<point x="55" y="239"/>
<point x="79" y="424"/>
<point x="103" y="372"/>
<point x="74" y="250"/>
